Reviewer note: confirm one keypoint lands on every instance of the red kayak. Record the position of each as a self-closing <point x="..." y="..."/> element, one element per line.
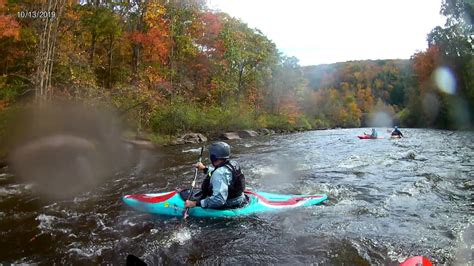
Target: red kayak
<point x="417" y="261"/>
<point x="368" y="137"/>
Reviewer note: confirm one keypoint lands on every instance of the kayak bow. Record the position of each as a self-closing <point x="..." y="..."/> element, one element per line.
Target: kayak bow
<point x="417" y="261"/>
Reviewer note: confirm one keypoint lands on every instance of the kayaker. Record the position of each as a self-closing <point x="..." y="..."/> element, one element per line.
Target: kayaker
<point x="397" y="132"/>
<point x="373" y="134"/>
<point x="224" y="184"/>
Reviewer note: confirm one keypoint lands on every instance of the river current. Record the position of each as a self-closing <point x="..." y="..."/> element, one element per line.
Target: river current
<point x="388" y="199"/>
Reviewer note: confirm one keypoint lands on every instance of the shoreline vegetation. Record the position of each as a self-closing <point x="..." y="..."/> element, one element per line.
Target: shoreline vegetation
<point x="174" y="67"/>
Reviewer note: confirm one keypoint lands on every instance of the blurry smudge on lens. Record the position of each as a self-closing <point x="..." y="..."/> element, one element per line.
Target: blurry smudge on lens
<point x="65" y="149"/>
<point x="445" y="80"/>
<point x="380" y="119"/>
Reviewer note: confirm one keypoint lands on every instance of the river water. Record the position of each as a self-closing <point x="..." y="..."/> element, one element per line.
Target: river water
<point x="388" y="200"/>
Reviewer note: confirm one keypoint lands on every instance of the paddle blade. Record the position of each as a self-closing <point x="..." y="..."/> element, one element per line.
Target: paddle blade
<point x="417" y="261"/>
<point x="200" y="156"/>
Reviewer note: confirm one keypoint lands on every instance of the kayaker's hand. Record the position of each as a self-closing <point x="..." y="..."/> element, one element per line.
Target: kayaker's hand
<point x="200" y="166"/>
<point x="190" y="204"/>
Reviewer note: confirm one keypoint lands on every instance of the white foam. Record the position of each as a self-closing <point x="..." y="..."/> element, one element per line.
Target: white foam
<point x="129" y="223"/>
<point x="265" y="170"/>
<point x="81" y="252"/>
<point x="80" y="199"/>
<point x="303" y="167"/>
<point x="195" y="150"/>
<point x="14" y="189"/>
<point x="181" y="236"/>
<point x="351" y="162"/>
<point x="46" y="221"/>
<point x="5" y="176"/>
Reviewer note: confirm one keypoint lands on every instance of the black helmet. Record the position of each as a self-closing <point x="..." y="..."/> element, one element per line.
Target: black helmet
<point x="219" y="150"/>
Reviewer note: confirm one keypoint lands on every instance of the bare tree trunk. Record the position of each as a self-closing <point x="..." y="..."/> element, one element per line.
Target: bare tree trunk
<point x="136" y="48"/>
<point x="46" y="50"/>
<point x="110" y="57"/>
<point x="239" y="84"/>
<point x="54" y="37"/>
<point x="92" y="49"/>
<point x="136" y="60"/>
<point x="171" y="57"/>
<point x="41" y="64"/>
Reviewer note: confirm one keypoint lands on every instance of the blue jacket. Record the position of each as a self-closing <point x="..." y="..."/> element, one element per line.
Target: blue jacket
<point x="220" y="181"/>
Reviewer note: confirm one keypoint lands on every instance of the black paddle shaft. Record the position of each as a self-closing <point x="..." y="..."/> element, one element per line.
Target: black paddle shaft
<point x="193" y="184"/>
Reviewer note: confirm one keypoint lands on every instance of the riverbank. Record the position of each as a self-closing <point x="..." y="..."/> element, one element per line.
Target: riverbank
<point x="152" y="140"/>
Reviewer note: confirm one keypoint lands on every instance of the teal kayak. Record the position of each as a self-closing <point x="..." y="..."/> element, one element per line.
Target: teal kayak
<point x="172" y="204"/>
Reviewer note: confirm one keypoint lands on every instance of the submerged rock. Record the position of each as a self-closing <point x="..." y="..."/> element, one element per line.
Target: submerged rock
<point x="264" y="131"/>
<point x="247" y="134"/>
<point x="410" y="155"/>
<point x="140" y="143"/>
<point x="230" y="136"/>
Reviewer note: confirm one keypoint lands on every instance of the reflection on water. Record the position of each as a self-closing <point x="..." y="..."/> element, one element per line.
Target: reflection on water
<point x="388" y="199"/>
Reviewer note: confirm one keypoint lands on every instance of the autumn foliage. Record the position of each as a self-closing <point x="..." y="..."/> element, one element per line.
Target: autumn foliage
<point x="9" y="27"/>
<point x="147" y="58"/>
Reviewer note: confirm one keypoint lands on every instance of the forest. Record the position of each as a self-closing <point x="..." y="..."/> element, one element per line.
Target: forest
<point x="171" y="67"/>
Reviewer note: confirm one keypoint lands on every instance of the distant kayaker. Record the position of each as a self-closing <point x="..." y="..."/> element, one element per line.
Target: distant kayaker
<point x="373" y="134"/>
<point x="396" y="132"/>
<point x="224" y="184"/>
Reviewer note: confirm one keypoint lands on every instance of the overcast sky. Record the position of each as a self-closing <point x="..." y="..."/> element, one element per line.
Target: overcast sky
<point x="329" y="31"/>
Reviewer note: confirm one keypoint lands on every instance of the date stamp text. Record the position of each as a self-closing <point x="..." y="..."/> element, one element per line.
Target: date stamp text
<point x="36" y="14"/>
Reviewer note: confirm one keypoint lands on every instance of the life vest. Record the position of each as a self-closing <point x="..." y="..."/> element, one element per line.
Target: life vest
<point x="237" y="184"/>
<point x="396" y="132"/>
